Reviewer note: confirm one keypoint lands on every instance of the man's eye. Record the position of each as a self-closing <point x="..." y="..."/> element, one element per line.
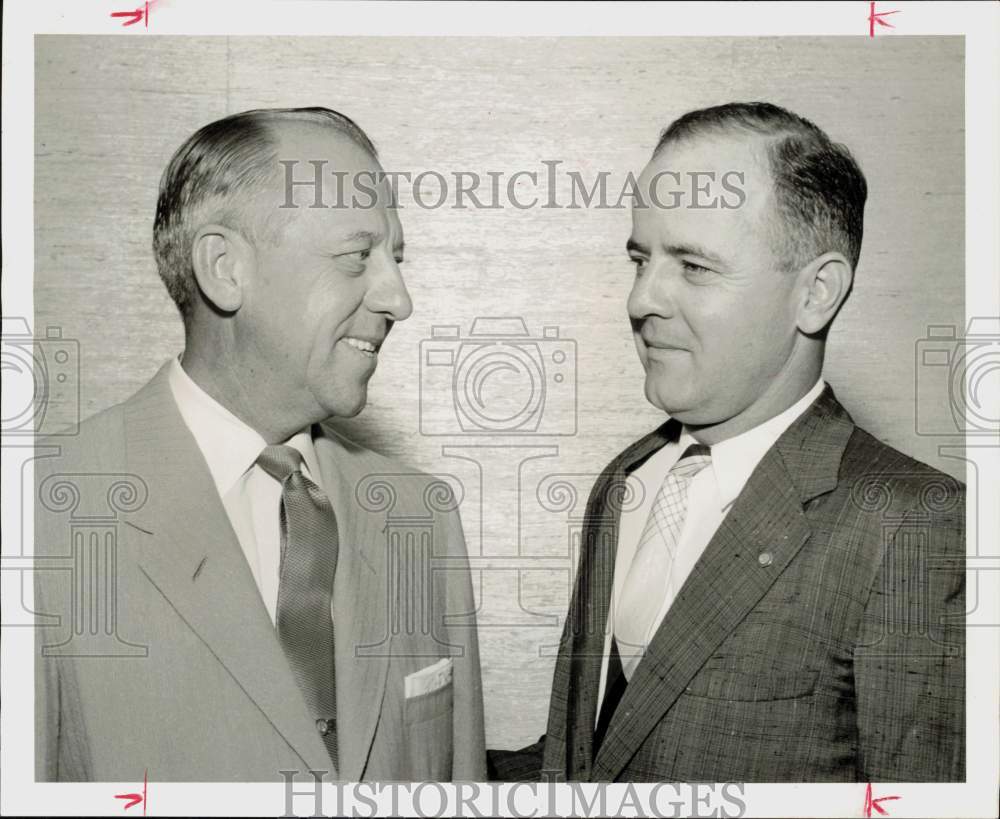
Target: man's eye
<point x="355" y="257"/>
<point x="694" y="270"/>
<point x="638" y="262"/>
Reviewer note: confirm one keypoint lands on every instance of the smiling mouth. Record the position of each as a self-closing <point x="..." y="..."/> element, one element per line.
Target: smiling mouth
<point x="366" y="348"/>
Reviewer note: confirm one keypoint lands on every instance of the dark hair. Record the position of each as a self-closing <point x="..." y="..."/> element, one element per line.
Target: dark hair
<point x="819" y="189"/>
<point x="214" y="175"/>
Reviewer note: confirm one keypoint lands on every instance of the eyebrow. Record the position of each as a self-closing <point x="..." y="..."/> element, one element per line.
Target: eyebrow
<point x="694" y="250"/>
<point x="361" y="234"/>
<point x="374" y="238"/>
<point x="632" y="246"/>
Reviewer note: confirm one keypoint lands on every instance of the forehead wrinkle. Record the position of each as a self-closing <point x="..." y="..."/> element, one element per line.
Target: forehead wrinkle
<point x="746" y="152"/>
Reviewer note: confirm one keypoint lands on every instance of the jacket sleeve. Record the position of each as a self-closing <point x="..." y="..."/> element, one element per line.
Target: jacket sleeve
<point x="62" y="751"/>
<point x="524" y="765"/>
<point x="468" y="741"/>
<point x="46" y="698"/>
<point x="910" y="656"/>
<point x="61" y="748"/>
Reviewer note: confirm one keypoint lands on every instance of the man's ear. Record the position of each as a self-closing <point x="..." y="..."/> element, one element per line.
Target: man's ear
<point x="825" y="284"/>
<point x="221" y="258"/>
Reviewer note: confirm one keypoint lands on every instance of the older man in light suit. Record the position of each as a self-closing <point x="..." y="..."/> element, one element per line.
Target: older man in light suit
<point x="264" y="617"/>
<point x="785" y="600"/>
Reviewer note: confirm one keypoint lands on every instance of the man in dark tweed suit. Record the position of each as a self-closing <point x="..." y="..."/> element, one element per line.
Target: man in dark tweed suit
<point x="783" y="600"/>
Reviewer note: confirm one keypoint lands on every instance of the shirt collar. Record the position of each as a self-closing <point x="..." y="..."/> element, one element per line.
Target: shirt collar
<point x="735" y="459"/>
<point x="230" y="447"/>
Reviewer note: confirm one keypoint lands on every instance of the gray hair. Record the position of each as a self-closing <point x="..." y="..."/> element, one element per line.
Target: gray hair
<point x="215" y="175"/>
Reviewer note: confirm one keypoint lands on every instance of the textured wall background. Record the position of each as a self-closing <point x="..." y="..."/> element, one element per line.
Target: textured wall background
<point x="110" y="111"/>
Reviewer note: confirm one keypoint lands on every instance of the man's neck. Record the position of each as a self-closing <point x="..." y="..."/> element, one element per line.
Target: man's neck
<point x="781" y="394"/>
<point x="231" y="393"/>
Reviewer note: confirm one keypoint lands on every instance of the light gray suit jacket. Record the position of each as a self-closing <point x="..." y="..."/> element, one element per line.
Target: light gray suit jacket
<point x="155" y="651"/>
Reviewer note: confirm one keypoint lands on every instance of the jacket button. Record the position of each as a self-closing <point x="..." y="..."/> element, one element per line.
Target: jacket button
<point x="765" y="558"/>
<point x="324" y="726"/>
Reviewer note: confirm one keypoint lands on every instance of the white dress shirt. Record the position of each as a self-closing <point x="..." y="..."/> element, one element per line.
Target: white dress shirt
<point x="251" y="497"/>
<point x="710" y="496"/>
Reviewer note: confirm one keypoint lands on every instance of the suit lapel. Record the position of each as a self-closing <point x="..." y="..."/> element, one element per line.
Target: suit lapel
<point x="192" y="557"/>
<point x="762" y="533"/>
<point x="359" y="601"/>
<point x="589" y="609"/>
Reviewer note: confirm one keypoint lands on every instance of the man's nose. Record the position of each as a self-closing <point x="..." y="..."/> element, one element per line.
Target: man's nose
<point x="388" y="293"/>
<point x="652" y="293"/>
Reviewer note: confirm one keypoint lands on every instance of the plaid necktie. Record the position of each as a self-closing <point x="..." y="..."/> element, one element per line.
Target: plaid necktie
<point x="309" y="547"/>
<point x="649" y="574"/>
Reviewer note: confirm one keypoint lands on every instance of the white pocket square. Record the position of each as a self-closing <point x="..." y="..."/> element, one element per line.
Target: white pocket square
<point x="428" y="679"/>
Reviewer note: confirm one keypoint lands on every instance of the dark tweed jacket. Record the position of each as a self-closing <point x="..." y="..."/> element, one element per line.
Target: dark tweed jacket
<point x="819" y="638"/>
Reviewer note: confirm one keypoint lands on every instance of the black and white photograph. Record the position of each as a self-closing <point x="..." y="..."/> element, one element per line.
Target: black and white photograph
<point x="487" y="409"/>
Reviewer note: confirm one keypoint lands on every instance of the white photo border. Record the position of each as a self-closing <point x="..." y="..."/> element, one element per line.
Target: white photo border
<point x="979" y="23"/>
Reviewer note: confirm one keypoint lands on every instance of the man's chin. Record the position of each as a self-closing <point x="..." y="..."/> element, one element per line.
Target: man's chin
<point x="692" y="415"/>
<point x="680" y="407"/>
<point x="344" y="406"/>
<point x="350" y="412"/>
<point x="668" y="401"/>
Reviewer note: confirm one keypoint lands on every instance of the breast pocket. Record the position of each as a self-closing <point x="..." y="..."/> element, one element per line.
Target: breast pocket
<point x="753" y="682"/>
<point x="428" y="720"/>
